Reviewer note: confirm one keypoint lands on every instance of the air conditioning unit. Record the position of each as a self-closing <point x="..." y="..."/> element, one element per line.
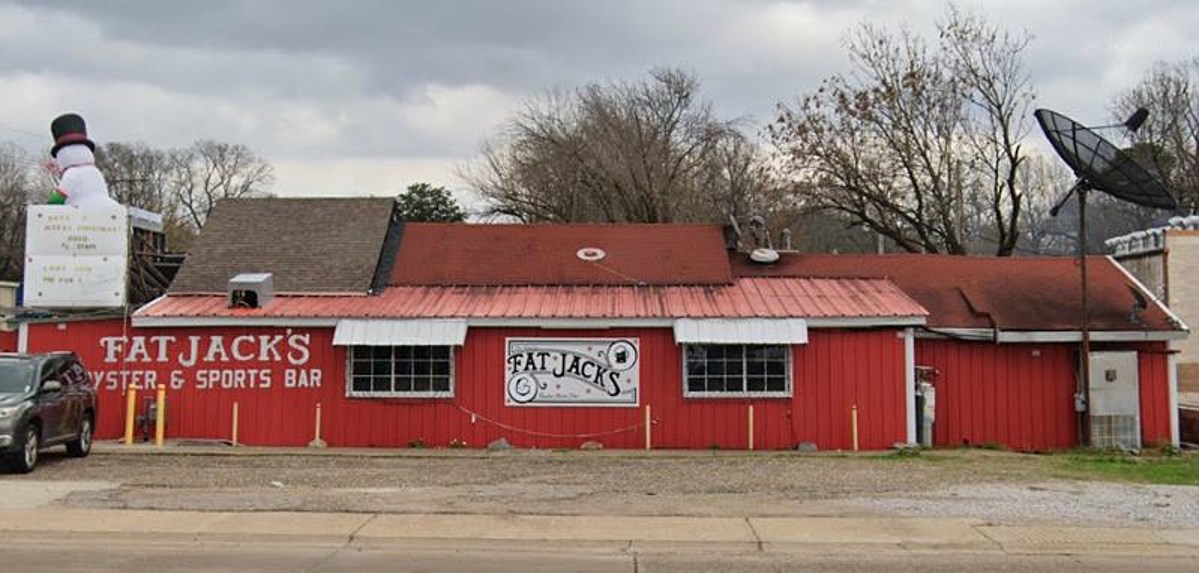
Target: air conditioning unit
<point x="251" y="290"/>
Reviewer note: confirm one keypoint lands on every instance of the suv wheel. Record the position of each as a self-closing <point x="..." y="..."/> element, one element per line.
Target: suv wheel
<point x="23" y="460"/>
<point x="82" y="445"/>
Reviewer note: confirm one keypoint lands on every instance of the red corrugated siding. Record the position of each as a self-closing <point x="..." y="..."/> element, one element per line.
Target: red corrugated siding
<point x="1002" y="394"/>
<point x="272" y="416"/>
<point x="1154" y="364"/>
<point x="8" y="341"/>
<point x="832" y="373"/>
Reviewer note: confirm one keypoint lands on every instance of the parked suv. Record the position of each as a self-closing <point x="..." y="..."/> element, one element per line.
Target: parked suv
<point x="45" y="400"/>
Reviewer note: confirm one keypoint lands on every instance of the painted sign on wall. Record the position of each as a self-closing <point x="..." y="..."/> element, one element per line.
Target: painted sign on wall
<point x="75" y="257"/>
<point x="572" y="372"/>
<point x="273" y="359"/>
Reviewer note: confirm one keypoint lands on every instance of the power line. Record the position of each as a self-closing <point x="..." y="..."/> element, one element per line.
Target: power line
<point x="37" y="136"/>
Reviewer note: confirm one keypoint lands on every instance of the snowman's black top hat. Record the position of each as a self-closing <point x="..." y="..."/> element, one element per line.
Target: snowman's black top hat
<point x="69" y="129"/>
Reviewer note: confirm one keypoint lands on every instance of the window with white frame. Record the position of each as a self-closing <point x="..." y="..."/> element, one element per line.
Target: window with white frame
<point x="401" y="371"/>
<point x="724" y="370"/>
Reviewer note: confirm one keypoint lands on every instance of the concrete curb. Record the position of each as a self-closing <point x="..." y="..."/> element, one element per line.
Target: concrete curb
<point x="604" y="534"/>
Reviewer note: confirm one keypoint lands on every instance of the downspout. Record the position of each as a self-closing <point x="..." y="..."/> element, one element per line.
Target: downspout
<point x="909" y="359"/>
<point x="23" y="337"/>
<point x="1172" y="383"/>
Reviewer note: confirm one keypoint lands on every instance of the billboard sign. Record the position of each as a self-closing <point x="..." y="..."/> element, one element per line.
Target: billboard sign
<point x="76" y="257"/>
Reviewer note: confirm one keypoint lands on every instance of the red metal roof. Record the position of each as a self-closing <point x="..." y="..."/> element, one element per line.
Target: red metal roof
<point x="749" y="297"/>
<point x="1011" y="293"/>
<point x="461" y="254"/>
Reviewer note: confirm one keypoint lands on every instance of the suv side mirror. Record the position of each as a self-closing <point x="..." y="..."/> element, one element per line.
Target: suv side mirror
<point x="51" y="386"/>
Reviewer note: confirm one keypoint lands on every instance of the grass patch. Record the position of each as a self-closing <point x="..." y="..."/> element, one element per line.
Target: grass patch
<point x="1158" y="469"/>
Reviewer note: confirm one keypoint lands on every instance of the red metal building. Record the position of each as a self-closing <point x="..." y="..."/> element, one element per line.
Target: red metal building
<point x="555" y="335"/>
<point x="1001" y="342"/>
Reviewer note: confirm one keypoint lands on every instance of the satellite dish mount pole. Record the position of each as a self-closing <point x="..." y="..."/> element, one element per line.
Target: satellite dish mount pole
<point x="1082" y="188"/>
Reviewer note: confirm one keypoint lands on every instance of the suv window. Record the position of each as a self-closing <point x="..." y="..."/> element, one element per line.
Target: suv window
<point x="16" y="375"/>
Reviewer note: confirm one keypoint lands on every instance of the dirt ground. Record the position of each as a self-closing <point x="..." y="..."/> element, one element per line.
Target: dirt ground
<point x="973" y="483"/>
<point x="546" y="482"/>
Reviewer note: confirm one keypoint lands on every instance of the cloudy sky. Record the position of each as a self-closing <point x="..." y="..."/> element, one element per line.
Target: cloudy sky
<point x="364" y="97"/>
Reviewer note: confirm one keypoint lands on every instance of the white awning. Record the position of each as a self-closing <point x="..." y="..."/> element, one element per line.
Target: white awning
<point x="414" y="332"/>
<point x="741" y="331"/>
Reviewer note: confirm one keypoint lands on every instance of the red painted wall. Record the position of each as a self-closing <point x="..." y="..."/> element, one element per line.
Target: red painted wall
<point x="1154" y="364"/>
<point x="1008" y="394"/>
<point x="1018" y="395"/>
<point x="8" y="341"/>
<point x="831" y="374"/>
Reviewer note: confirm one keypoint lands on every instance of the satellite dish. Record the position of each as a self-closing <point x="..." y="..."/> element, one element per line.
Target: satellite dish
<point x="1101" y="166"/>
<point x="764" y="256"/>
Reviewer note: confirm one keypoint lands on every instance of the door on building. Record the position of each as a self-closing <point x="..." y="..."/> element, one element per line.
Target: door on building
<point x="1115" y="408"/>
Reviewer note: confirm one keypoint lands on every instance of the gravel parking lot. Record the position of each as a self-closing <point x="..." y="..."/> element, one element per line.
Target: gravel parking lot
<point x="996" y="486"/>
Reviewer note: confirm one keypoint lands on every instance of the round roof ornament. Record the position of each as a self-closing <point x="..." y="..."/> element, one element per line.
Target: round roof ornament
<point x="591" y="254"/>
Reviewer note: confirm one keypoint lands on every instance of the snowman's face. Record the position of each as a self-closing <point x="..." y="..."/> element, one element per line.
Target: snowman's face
<point x="73" y="155"/>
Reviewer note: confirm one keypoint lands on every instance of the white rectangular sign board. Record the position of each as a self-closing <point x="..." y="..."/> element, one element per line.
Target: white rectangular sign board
<point x="76" y="258"/>
<point x="572" y="372"/>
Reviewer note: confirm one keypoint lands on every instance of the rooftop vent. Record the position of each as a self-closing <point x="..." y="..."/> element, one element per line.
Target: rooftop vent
<point x="251" y="290"/>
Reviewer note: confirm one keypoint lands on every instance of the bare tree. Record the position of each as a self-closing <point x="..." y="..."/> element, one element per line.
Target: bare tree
<point x="633" y="152"/>
<point x="1168" y="142"/>
<point x="210" y="170"/>
<point x="16" y="191"/>
<point x="919" y="144"/>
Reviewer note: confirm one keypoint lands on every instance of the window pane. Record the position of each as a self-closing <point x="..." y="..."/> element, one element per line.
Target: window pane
<point x="696" y="352"/>
<point x="381" y="384"/>
<point x="360" y="352"/>
<point x="776" y="384"/>
<point x="716" y="352"/>
<point x="776" y="352"/>
<point x="696" y="384"/>
<point x="755" y="368"/>
<point x="441" y="368"/>
<point x="381" y="352"/>
<point x="441" y="383"/>
<point x="420" y="352"/>
<point x="382" y="369"/>
<point x="422" y="384"/>
<point x="361" y="384"/>
<point x="422" y="368"/>
<point x="440" y="352"/>
<point x="776" y="368"/>
<point x="756" y="384"/>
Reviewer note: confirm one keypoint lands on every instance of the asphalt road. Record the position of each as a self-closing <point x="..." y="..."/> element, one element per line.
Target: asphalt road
<point x="135" y="556"/>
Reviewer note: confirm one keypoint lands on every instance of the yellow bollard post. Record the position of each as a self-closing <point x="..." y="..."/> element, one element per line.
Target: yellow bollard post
<point x="235" y="423"/>
<point x="751" y="427"/>
<point x="160" y="420"/>
<point x="130" y="413"/>
<point x="648" y="424"/>
<point x="853" y="415"/>
<point x="317" y="442"/>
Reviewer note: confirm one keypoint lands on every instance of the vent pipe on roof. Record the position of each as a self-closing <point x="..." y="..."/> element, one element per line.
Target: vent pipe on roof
<point x="732" y="234"/>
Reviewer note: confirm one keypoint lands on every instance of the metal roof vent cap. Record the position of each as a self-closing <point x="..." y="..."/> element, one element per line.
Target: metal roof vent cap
<point x="251" y="290"/>
<point x="764" y="256"/>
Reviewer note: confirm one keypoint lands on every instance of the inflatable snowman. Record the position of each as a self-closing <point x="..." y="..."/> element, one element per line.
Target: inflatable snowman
<point x="80" y="183"/>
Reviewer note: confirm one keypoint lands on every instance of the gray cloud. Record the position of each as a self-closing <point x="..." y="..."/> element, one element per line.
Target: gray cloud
<point x="326" y="88"/>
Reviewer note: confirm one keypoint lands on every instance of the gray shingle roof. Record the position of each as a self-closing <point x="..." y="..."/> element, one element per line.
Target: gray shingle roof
<point x="311" y="245"/>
